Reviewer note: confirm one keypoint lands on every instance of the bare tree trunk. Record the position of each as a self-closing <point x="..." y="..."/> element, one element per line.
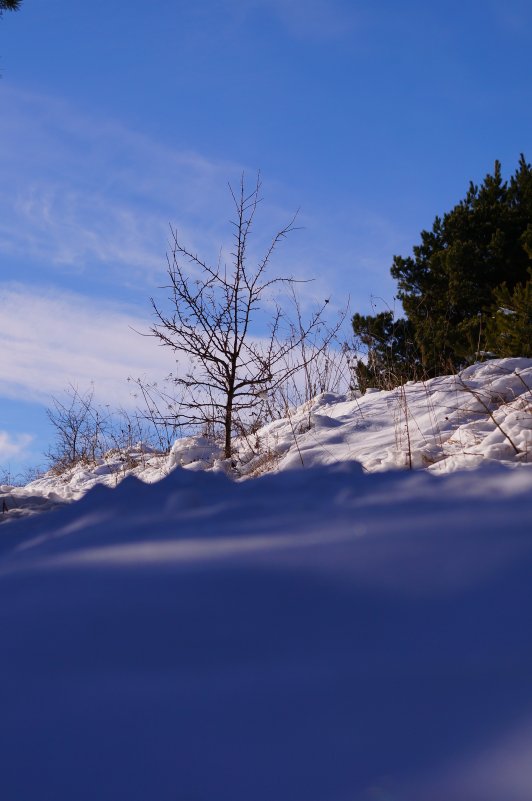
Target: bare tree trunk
<point x="228" y="426"/>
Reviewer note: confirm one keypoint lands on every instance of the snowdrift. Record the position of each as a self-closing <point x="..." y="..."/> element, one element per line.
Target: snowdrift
<point x="481" y="416"/>
<point x="320" y="635"/>
<point x="317" y="634"/>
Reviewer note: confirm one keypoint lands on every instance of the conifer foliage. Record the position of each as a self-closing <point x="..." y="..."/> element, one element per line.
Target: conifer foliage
<point x="392" y="357"/>
<point x="9" y="5"/>
<point x="474" y="261"/>
<point x="510" y="327"/>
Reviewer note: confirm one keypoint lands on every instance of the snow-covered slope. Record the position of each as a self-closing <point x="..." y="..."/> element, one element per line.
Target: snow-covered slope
<point x="316" y="634"/>
<point x="312" y="635"/>
<point x="483" y="415"/>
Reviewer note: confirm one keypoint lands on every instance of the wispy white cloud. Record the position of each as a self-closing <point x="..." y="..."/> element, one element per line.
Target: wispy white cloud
<point x="48" y="341"/>
<point x="80" y="192"/>
<point x="84" y="196"/>
<point x="90" y="198"/>
<point x="51" y="341"/>
<point x="14" y="446"/>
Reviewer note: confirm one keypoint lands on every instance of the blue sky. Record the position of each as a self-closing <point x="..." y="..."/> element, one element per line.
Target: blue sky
<point x="119" y="118"/>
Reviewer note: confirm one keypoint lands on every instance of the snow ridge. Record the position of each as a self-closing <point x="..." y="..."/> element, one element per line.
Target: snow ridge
<point x="481" y="416"/>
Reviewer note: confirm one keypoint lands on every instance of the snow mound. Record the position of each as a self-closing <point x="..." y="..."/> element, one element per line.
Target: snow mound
<point x="482" y="415"/>
<point x="314" y="635"/>
<point x="342" y="631"/>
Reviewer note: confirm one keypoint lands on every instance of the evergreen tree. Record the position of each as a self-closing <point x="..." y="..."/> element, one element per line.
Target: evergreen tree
<point x="447" y="287"/>
<point x="391" y="354"/>
<point x="510" y="327"/>
<point x="9" y="5"/>
<point x="526" y="240"/>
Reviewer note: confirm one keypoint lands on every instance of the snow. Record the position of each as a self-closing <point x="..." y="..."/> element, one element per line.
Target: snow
<point x="334" y="632"/>
<point x="481" y="416"/>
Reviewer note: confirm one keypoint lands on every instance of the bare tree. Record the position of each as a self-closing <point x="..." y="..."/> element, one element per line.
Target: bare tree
<point x="322" y="356"/>
<point x="160" y="411"/>
<point x="80" y="428"/>
<point x="85" y="431"/>
<point x="212" y="311"/>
